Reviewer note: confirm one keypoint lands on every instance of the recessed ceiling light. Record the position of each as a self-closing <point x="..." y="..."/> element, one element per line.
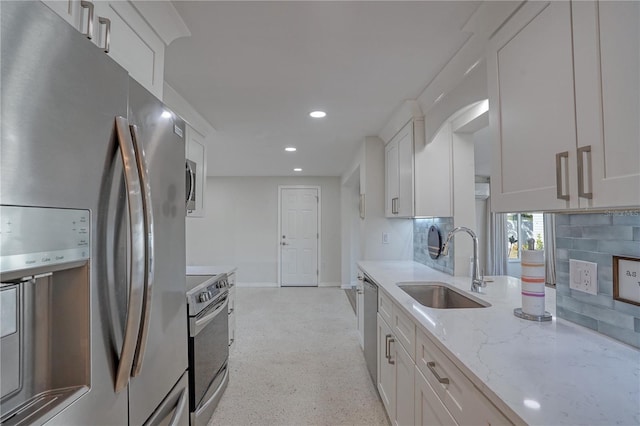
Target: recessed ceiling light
<point x="318" y="114"/>
<point x="290" y="149"/>
<point x="297" y="169"/>
<point x="166" y="114"/>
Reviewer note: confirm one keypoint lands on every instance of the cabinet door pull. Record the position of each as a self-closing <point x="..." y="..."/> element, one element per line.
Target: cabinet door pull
<point x="394" y="205"/>
<point x="581" y="152"/>
<point x="559" y="178"/>
<point x="107" y="33"/>
<point x="88" y="5"/>
<point x="390" y="340"/>
<point x="432" y="367"/>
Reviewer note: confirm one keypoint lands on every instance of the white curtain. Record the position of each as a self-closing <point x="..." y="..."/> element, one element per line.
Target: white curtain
<point x="497" y="242"/>
<point x="550" y="247"/>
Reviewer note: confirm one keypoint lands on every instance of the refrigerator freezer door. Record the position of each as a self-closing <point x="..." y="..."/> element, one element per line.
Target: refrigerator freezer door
<point x="164" y="359"/>
<point x="60" y="95"/>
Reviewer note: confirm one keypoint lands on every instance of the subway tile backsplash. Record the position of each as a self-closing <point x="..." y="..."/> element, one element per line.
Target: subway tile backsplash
<point x="597" y="237"/>
<point x="420" y="246"/>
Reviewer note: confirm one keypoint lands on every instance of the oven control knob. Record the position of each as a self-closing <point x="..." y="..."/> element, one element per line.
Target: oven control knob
<point x="204" y="296"/>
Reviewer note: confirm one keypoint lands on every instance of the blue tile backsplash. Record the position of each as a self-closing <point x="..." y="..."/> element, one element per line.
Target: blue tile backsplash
<point x="597" y="237"/>
<point x="420" y="247"/>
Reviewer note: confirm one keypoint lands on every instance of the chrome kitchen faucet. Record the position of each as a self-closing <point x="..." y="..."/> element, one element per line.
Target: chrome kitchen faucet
<point x="477" y="281"/>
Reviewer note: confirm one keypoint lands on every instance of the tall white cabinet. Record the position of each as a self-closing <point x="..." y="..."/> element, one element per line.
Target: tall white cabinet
<point x="399" y="170"/>
<point x="564" y="99"/>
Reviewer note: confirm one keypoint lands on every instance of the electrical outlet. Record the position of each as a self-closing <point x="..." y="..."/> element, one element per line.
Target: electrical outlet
<point x="385" y="238"/>
<point x="583" y="276"/>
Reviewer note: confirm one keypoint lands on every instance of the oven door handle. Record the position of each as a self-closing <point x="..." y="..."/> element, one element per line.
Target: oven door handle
<point x="201" y="323"/>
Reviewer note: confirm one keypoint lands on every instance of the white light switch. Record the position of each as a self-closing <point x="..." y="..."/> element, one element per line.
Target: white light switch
<point x="385" y="238"/>
<point x="583" y="276"/>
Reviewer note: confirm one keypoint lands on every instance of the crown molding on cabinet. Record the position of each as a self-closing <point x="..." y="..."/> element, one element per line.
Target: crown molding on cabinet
<point x="163" y="17"/>
<point x="409" y="110"/>
<point x="462" y="80"/>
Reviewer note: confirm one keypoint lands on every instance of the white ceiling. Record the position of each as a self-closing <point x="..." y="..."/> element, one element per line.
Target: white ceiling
<point x="255" y="70"/>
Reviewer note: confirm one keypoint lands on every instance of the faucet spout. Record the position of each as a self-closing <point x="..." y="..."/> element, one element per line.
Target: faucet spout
<point x="477" y="282"/>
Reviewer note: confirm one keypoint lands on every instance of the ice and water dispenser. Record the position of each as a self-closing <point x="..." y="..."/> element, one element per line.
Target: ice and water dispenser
<point x="45" y="350"/>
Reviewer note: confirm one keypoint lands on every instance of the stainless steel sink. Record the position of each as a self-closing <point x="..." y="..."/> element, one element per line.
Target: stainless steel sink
<point x="440" y="295"/>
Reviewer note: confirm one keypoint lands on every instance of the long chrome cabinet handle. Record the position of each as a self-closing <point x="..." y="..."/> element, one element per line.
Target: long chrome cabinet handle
<point x="88" y="5"/>
<point x="137" y="258"/>
<point x="432" y="367"/>
<point x="143" y="173"/>
<point x="581" y="192"/>
<point x="107" y="34"/>
<point x="559" y="178"/>
<point x="386" y="346"/>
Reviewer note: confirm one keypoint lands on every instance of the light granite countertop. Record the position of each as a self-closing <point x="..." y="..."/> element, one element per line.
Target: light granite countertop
<point x="546" y="373"/>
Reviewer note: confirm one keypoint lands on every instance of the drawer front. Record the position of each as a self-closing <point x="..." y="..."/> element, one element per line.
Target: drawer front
<point x="437" y="369"/>
<point x="385" y="307"/>
<point x="429" y="410"/>
<point x="405" y="331"/>
<point x="462" y="399"/>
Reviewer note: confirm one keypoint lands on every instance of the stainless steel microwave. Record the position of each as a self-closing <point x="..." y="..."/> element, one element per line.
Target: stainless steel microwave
<point x="191" y="186"/>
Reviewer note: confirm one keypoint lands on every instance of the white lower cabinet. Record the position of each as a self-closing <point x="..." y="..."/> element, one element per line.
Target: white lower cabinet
<point x="463" y="401"/>
<point x="360" y="308"/>
<point x="429" y="410"/>
<point x="395" y="376"/>
<point x="232" y="308"/>
<point x="404" y="375"/>
<point x="431" y="390"/>
<point x="386" y="379"/>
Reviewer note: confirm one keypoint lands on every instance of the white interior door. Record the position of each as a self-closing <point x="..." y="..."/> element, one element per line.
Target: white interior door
<point x="299" y="236"/>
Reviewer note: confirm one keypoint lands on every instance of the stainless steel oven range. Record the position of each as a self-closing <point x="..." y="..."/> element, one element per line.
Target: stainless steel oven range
<point x="207" y="299"/>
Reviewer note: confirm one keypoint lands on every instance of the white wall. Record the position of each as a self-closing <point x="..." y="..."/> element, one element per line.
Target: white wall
<point x="241" y="227"/>
<point x="369" y="163"/>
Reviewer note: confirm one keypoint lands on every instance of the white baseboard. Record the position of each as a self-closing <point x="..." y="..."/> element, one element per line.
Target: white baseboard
<point x="257" y="284"/>
<point x="271" y="284"/>
<point x="328" y="284"/>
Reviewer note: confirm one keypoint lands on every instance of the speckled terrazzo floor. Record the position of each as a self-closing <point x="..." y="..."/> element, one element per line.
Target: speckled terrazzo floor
<point x="297" y="361"/>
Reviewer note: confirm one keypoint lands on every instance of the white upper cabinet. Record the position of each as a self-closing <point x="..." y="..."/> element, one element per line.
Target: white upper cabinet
<point x="564" y="105"/>
<point x="120" y="29"/>
<point x="123" y="33"/>
<point x="606" y="38"/>
<point x="532" y="112"/>
<point x="399" y="170"/>
<point x="72" y="12"/>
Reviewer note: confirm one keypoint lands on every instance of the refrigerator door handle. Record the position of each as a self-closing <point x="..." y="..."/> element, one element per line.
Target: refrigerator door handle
<point x="136" y="262"/>
<point x="143" y="172"/>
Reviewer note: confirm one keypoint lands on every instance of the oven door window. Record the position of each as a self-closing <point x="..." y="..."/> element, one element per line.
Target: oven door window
<point x="208" y="350"/>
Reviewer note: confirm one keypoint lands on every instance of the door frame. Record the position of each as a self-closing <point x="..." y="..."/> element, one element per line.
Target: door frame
<point x="319" y="256"/>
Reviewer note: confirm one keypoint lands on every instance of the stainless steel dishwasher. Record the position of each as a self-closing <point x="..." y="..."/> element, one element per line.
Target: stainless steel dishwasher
<point x="371" y="327"/>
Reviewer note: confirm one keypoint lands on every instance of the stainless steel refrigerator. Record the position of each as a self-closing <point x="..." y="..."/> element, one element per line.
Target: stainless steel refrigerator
<point x="79" y="135"/>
